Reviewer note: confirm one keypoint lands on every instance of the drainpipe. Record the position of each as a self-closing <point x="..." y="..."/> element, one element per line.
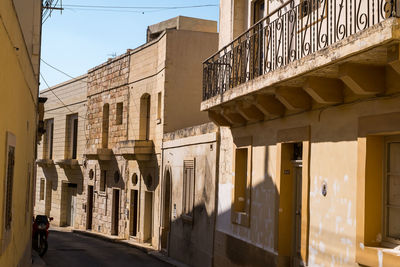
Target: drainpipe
<point x="129" y="98"/>
<point x="217" y="152"/>
<point x="162" y="197"/>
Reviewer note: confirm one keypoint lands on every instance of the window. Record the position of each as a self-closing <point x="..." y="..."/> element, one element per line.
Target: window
<point x="103" y="180"/>
<point x="159" y="107"/>
<point x="48" y="139"/>
<point x="392" y="190"/>
<point x="91" y="174"/>
<point x="10" y="160"/>
<point x="188" y="187"/>
<point x="28" y="192"/>
<point x="378" y="162"/>
<point x="71" y="136"/>
<point x="241" y="182"/>
<point x="42" y="189"/>
<point x="105" y="125"/>
<point x="144" y="122"/>
<point x="258" y="9"/>
<point x="120" y="111"/>
<point x="240" y="179"/>
<point x="308" y="6"/>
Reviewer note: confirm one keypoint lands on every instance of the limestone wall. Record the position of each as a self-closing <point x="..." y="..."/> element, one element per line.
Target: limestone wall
<point x="107" y="84"/>
<point x="73" y="95"/>
<point x="194" y="237"/>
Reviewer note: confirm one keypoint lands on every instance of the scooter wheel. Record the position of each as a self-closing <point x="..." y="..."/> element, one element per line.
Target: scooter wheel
<point x="43" y="247"/>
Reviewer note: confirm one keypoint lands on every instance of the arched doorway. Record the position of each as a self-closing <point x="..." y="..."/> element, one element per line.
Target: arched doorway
<point x="144" y="123"/>
<point x="105" y="126"/>
<point x="167" y="211"/>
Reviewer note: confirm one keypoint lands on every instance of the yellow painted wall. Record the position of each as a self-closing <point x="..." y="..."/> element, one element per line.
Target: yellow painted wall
<point x="19" y="91"/>
<point x="333" y="160"/>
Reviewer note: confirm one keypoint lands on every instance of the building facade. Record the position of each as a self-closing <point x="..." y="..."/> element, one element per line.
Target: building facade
<point x="20" y="42"/>
<point x="60" y="158"/>
<point x="133" y="100"/>
<point x="190" y="160"/>
<point x="307" y="97"/>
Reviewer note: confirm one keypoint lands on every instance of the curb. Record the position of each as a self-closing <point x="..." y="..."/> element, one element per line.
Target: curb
<point x="151" y="252"/>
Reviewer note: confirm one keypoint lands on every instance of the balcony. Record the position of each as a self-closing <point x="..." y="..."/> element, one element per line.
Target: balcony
<point x="102" y="154"/>
<point x="302" y="57"/>
<point x="68" y="163"/>
<point x="44" y="163"/>
<point x="141" y="150"/>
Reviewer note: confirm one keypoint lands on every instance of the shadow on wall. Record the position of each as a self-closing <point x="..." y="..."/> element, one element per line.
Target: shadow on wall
<point x="114" y="173"/>
<point x="75" y="176"/>
<point x="240" y="249"/>
<point x="51" y="174"/>
<point x="191" y="234"/>
<point x="150" y="173"/>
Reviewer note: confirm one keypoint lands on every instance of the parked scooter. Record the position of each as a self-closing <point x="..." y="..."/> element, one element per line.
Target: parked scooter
<point x="40" y="232"/>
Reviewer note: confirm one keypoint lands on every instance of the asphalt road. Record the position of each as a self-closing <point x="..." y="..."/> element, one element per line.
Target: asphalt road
<point x="68" y="249"/>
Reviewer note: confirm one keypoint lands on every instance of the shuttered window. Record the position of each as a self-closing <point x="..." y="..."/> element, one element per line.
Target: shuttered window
<point x="188" y="187"/>
<point x="71" y="136"/>
<point x="120" y="113"/>
<point x="9" y="185"/>
<point x="42" y="189"/>
<point x="48" y="139"/>
<point x="103" y="180"/>
<point x="392" y="189"/>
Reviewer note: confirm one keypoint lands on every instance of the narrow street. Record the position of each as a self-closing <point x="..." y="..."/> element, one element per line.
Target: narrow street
<point x="68" y="249"/>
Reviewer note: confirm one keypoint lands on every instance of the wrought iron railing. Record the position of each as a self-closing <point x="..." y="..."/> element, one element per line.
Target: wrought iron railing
<point x="290" y="33"/>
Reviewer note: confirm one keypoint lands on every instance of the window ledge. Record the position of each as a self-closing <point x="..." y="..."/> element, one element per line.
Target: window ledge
<point x="187" y="219"/>
<point x="378" y="256"/>
<point x="102" y="193"/>
<point x="241" y="218"/>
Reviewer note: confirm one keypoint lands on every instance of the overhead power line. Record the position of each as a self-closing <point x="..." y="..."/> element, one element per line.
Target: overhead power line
<point x="51" y="90"/>
<point x="131" y="9"/>
<point x="51" y="66"/>
<point x="59" y="99"/>
<point x="141" y="7"/>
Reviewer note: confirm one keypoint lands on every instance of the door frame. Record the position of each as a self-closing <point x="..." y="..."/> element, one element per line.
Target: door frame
<point x="283" y="242"/>
<point x="297" y="169"/>
<point x="89" y="209"/>
<point x="115" y="212"/>
<point x="132" y="207"/>
<point x="166" y="230"/>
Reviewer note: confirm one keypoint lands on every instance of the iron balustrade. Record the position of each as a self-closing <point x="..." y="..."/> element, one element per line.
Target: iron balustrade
<point x="290" y="33"/>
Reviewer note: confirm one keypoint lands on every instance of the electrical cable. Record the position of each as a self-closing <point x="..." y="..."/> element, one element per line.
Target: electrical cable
<point x="66" y="74"/>
<point x="142" y="7"/>
<point x="130" y="9"/>
<point x="59" y="99"/>
<point x="62" y="102"/>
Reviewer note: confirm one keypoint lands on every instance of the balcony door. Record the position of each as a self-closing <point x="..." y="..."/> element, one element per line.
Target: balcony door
<point x="105" y="125"/>
<point x="258" y="10"/>
<point x="144" y="123"/>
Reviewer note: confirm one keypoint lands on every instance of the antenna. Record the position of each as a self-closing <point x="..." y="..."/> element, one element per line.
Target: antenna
<point x="48" y="8"/>
<point x="113" y="55"/>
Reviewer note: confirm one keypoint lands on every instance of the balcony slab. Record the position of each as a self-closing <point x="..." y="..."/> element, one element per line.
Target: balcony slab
<point x="103" y="154"/>
<point x="141" y="150"/>
<point x="68" y="163"/>
<point x="44" y="163"/>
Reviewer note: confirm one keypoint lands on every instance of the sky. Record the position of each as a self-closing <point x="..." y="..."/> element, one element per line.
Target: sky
<point x="78" y="40"/>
